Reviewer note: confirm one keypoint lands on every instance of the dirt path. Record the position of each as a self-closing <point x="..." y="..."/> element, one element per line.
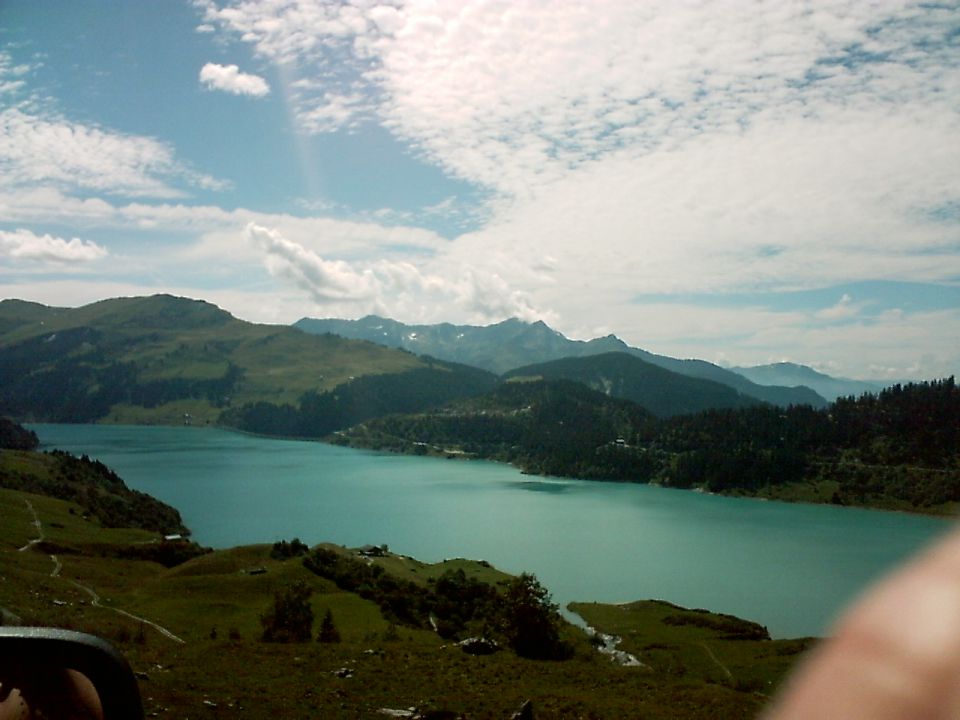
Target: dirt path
<point x="94" y="598"/>
<point x="716" y="660"/>
<point x="36" y="523"/>
<point x="95" y="601"/>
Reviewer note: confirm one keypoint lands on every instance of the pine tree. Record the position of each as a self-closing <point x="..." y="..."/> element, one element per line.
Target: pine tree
<point x="328" y="630"/>
<point x="290" y="619"/>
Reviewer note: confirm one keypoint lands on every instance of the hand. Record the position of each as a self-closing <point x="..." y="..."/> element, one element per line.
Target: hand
<point x="894" y="656"/>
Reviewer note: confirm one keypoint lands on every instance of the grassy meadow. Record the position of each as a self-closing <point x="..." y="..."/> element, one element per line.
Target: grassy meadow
<point x="218" y="667"/>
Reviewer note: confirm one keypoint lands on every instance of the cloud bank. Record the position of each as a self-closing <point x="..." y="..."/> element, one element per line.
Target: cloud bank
<point x="387" y="286"/>
<point x="48" y="150"/>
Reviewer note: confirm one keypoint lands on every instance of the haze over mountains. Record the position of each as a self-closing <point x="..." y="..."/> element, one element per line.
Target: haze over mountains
<point x="513" y="343"/>
<point x="791" y="374"/>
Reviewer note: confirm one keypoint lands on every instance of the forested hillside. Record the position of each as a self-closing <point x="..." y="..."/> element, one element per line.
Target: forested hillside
<point x="624" y="376"/>
<point x="319" y="414"/>
<point x="549" y="427"/>
<point x="897" y="449"/>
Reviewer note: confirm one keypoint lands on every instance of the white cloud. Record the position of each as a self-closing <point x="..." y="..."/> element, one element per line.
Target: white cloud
<point x="228" y="78"/>
<point x="911" y="345"/>
<point x="333" y="111"/>
<point x="386" y="286"/>
<point x="629" y="149"/>
<point x="514" y="94"/>
<point x="25" y="245"/>
<point x="11" y="75"/>
<point x="656" y="146"/>
<point x="843" y="310"/>
<point x="217" y="234"/>
<point x="37" y="150"/>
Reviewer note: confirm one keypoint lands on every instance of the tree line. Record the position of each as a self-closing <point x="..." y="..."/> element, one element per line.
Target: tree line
<point x="519" y="615"/>
<point x="902" y="443"/>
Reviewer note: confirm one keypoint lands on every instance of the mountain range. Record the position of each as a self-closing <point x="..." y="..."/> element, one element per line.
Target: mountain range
<point x="791" y="374"/>
<point x="511" y="344"/>
<point x="167" y="360"/>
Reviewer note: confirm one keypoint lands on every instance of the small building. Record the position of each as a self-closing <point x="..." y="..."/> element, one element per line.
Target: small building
<point x="373" y="550"/>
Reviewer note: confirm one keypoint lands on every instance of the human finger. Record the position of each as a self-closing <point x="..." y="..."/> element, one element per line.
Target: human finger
<point x="894" y="656"/>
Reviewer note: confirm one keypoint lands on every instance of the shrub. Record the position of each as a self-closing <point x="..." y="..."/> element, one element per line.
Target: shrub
<point x="283" y="550"/>
<point x="530" y="621"/>
<point x="328" y="630"/>
<point x="290" y="618"/>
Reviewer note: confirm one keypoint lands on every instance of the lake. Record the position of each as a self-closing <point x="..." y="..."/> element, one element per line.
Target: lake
<point x="790" y="567"/>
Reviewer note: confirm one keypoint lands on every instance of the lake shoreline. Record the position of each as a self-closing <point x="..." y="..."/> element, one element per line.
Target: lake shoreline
<point x="774" y="493"/>
<point x="608" y="541"/>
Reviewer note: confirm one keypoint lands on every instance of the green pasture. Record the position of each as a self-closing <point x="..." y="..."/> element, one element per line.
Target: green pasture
<point x="696" y="644"/>
<point x="214" y="603"/>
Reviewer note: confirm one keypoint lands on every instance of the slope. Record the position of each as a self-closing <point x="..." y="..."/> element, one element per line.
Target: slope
<point x="165" y="359"/>
<point x="620" y="375"/>
<point x="192" y="633"/>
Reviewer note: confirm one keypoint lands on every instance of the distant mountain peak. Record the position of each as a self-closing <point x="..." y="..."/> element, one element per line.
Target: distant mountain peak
<point x="793" y="374"/>
<point x="514" y="343"/>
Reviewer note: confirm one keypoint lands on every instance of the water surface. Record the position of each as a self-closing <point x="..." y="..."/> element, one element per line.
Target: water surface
<point x="790" y="567"/>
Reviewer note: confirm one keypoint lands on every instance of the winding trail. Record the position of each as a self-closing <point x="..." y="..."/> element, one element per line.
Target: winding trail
<point x="95" y="601"/>
<point x="36" y="523"/>
<point x="94" y="597"/>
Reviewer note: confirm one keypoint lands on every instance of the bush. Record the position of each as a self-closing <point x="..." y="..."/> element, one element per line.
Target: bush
<point x="328" y="630"/>
<point x="290" y="619"/>
<point x="283" y="550"/>
<point x="530" y="621"/>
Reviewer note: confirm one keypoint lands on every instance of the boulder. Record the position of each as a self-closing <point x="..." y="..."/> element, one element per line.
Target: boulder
<point x="478" y="646"/>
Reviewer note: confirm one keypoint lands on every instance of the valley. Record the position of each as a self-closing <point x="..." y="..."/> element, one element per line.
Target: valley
<point x="596" y="410"/>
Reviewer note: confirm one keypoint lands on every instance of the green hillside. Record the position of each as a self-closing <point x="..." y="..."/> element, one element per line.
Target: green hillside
<point x="624" y="376"/>
<point x="161" y="359"/>
<point x="193" y="630"/>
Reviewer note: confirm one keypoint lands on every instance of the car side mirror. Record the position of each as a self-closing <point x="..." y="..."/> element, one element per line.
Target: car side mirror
<point x="62" y="674"/>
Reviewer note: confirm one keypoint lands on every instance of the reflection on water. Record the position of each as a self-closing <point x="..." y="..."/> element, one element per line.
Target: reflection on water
<point x="541" y="486"/>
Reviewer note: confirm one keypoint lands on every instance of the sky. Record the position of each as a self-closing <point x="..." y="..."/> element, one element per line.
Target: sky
<point x="739" y="181"/>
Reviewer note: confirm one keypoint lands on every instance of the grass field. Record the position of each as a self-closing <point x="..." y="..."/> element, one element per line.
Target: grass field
<point x="696" y="644"/>
<point x="213" y="603"/>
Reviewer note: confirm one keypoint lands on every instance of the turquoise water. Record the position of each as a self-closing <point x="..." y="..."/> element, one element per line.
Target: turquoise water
<point x="788" y="566"/>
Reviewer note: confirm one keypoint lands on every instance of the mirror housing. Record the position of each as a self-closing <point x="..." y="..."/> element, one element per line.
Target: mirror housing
<point x="32" y="655"/>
